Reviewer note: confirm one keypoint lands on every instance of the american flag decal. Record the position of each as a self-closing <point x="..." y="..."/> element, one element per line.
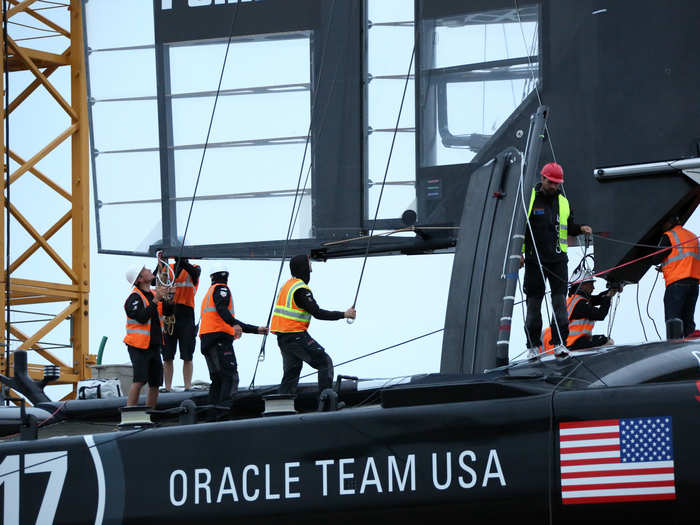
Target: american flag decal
<point x="617" y="460"/>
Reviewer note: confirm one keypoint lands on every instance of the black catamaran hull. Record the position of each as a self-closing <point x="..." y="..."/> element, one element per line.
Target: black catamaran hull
<point x="495" y="459"/>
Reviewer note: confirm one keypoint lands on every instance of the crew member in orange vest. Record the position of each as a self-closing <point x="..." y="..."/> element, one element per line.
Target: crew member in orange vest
<point x="583" y="310"/>
<point x="218" y="327"/>
<point x="144" y="334"/>
<point x="290" y="321"/>
<point x="184" y="332"/>
<point x="681" y="268"/>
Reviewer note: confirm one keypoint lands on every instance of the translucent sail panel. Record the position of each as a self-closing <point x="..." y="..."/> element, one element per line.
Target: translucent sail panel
<point x="111" y="24"/>
<point x="130" y="227"/>
<point x="124" y="121"/>
<point x="254" y="154"/>
<point x="479" y="70"/>
<point x="390" y="40"/>
<point x="277" y="62"/>
<point x="129" y="206"/>
<point x="240" y="220"/>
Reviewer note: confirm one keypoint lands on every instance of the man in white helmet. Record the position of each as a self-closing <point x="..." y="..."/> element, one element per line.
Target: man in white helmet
<point x="144" y="335"/>
<point x="218" y="328"/>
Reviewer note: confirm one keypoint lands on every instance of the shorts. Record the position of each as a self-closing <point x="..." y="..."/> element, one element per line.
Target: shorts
<point x="184" y="333"/>
<point x="148" y="368"/>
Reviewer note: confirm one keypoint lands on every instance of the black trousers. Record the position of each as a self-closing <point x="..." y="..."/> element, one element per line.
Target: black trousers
<point x="557" y="273"/>
<point x="223" y="371"/>
<point x="298" y="348"/>
<point x="679" y="303"/>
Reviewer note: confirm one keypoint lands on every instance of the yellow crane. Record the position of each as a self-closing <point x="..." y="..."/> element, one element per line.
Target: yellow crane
<point x="74" y="265"/>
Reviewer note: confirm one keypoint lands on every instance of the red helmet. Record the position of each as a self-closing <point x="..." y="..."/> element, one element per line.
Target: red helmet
<point x="553" y="172"/>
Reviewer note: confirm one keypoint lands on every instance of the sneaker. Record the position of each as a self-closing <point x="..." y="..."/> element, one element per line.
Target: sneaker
<point x="533" y="353"/>
<point x="561" y="351"/>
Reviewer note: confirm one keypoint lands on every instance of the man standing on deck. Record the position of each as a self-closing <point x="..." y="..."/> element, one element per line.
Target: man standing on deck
<point x="218" y="327"/>
<point x="549" y="223"/>
<point x="184" y="332"/>
<point x="144" y="335"/>
<point x="292" y="315"/>
<point x="681" y="268"/>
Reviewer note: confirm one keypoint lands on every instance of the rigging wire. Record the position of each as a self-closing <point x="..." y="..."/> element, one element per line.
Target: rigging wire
<point x="363" y="356"/>
<point x="211" y="122"/>
<point x="649" y="301"/>
<point x="386" y="172"/>
<point x="292" y="218"/>
<point x="532" y="75"/>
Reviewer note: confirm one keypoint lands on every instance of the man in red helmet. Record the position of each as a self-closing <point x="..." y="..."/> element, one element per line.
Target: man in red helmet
<point x="549" y="223"/>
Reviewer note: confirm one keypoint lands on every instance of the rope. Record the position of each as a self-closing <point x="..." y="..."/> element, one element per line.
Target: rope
<point x="640" y="314"/>
<point x="648" y="301"/>
<point x="293" y="216"/>
<point x="611" y="319"/>
<point x="386" y="172"/>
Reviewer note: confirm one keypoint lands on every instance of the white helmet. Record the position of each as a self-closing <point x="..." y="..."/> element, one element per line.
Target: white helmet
<point x="587" y="277"/>
<point x="218" y="268"/>
<point x="133" y="273"/>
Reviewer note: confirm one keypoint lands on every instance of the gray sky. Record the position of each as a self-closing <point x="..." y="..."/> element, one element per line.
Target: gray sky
<point x="387" y="307"/>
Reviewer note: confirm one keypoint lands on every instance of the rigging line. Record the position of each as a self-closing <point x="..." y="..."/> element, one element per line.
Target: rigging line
<point x="386" y="172"/>
<point x="34" y="27"/>
<point x="211" y="122"/>
<point x="628" y="243"/>
<point x="649" y="301"/>
<point x="532" y="75"/>
<point x="611" y="319"/>
<point x="640" y="314"/>
<point x="512" y="221"/>
<point x="6" y="175"/>
<point x="416" y="338"/>
<point x="292" y="219"/>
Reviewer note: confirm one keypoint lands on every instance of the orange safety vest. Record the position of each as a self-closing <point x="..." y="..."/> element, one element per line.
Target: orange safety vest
<point x="577" y="327"/>
<point x="684" y="260"/>
<point x="138" y="334"/>
<point x="185" y="289"/>
<point x="209" y="319"/>
<point x="287" y="316"/>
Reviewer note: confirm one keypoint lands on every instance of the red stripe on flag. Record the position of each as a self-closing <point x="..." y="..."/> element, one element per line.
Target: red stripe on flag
<point x="594" y="461"/>
<point x="601" y="435"/>
<point x="586" y="424"/>
<point x="599" y="448"/>
<point x="630" y="485"/>
<point x="626" y="472"/>
<point x="608" y="499"/>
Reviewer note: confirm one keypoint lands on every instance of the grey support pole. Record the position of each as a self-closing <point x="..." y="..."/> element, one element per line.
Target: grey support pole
<point x="532" y="159"/>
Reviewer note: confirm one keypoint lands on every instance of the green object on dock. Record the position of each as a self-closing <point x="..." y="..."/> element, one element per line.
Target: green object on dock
<point x="101" y="350"/>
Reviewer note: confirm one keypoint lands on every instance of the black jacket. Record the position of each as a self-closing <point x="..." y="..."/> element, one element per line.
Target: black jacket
<point x="592" y="307"/>
<point x="135" y="310"/>
<point x="543" y="220"/>
<point x="221" y="295"/>
<point x="299" y="266"/>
